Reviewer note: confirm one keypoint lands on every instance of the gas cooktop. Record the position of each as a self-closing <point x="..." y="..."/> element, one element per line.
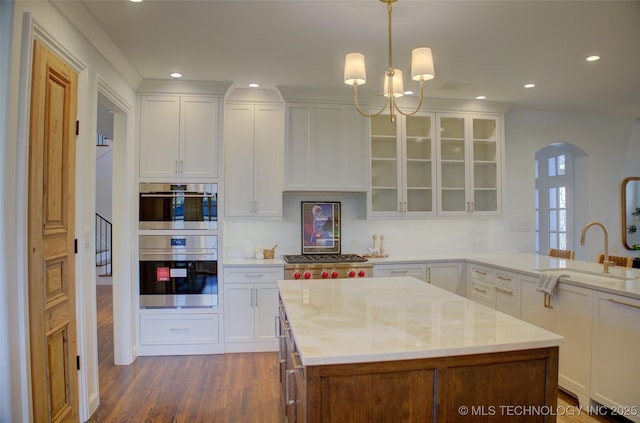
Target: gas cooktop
<point x="322" y="258"/>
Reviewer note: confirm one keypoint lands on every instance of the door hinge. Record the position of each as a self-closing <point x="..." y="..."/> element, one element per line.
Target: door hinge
<point x="77" y="127"/>
<point x="77" y="362"/>
<point x="75" y="246"/>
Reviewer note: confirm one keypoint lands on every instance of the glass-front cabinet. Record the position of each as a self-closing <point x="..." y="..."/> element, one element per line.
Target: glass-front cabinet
<point x="469" y="149"/>
<point x="402" y="166"/>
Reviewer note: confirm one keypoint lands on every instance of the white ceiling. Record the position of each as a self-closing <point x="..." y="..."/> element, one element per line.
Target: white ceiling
<point x="487" y="48"/>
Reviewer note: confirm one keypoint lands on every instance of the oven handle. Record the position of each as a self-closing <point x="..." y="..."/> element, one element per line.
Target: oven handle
<point x="178" y="256"/>
<point x="175" y="195"/>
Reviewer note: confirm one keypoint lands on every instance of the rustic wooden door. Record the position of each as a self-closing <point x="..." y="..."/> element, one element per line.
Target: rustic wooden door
<point x="52" y="316"/>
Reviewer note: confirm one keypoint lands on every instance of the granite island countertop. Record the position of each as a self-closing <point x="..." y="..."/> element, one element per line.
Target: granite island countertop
<point x="396" y="318"/>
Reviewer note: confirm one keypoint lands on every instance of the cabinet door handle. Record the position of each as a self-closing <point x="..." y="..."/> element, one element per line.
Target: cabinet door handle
<point x="504" y="278"/>
<point x="484" y="291"/>
<point x="177" y="168"/>
<point x="480" y="272"/>
<point x="401" y="272"/>
<point x="287" y="397"/>
<point x="623" y="303"/>
<point x="179" y="330"/>
<point x="256" y="291"/>
<point x="472" y="206"/>
<point x="547" y="301"/>
<point x="276" y="330"/>
<point x="428" y="274"/>
<point x="506" y="291"/>
<point x="254" y="275"/>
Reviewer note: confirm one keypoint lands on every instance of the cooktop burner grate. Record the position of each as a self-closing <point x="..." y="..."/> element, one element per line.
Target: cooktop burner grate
<point x="322" y="258"/>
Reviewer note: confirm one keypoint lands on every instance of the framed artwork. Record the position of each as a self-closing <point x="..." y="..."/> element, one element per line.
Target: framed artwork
<point x="320" y="227"/>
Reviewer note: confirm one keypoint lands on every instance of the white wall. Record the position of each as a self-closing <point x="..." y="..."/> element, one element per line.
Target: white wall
<point x="6" y="13"/>
<point x="41" y="19"/>
<point x="607" y="141"/>
<point x="611" y="144"/>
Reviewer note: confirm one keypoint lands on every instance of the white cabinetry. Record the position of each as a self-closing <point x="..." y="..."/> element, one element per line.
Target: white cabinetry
<point x="572" y="318"/>
<point x="326" y="149"/>
<point x="494" y="287"/>
<point x="179" y="138"/>
<point x="447" y="275"/>
<point x="403" y="172"/>
<point x="469" y="164"/>
<point x="533" y="307"/>
<point x="417" y="270"/>
<point x="567" y="313"/>
<point x="616" y="347"/>
<point x="250" y="306"/>
<point x="179" y="332"/>
<point x="480" y="286"/>
<point x="254" y="138"/>
<point x="506" y="288"/>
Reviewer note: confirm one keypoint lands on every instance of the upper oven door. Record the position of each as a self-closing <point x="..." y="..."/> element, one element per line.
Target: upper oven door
<point x="178" y="206"/>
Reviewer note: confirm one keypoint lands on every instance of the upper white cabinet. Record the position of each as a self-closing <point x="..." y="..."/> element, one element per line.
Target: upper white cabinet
<point x="253" y="154"/>
<point x="403" y="170"/>
<point x="326" y="148"/>
<point x="469" y="164"/>
<point x="179" y="138"/>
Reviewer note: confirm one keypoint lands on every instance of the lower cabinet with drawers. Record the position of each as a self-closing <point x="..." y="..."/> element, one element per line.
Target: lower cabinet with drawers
<point x="179" y="332"/>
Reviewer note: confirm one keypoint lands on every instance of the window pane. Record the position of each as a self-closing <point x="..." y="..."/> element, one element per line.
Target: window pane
<point x="561" y="165"/>
<point x="562" y="220"/>
<point x="535" y="169"/>
<point x="537" y="199"/>
<point x="562" y="241"/>
<point x="553" y="240"/>
<point x="552" y="198"/>
<point x="553" y="221"/>
<point x="562" y="197"/>
<point x="552" y="166"/>
<point x="537" y="217"/>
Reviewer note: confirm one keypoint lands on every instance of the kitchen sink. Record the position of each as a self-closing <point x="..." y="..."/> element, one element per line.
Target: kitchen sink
<point x="578" y="274"/>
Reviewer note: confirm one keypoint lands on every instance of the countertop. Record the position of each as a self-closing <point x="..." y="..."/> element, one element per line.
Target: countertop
<point x="396" y="318"/>
<point x="620" y="280"/>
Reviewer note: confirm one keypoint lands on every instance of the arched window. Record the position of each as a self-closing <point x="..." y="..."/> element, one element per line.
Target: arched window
<point x="554" y="196"/>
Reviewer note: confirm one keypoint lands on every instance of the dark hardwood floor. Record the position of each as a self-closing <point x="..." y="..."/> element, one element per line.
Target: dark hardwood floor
<point x="197" y="388"/>
<point x="233" y="388"/>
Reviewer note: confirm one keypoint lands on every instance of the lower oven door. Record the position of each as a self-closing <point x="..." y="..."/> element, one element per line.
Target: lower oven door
<point x="178" y="284"/>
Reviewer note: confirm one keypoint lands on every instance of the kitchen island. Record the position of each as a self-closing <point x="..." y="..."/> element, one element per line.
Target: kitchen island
<point x="399" y="350"/>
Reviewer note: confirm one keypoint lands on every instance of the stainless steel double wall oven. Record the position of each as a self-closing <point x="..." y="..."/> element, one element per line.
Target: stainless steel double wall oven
<point x="178" y="266"/>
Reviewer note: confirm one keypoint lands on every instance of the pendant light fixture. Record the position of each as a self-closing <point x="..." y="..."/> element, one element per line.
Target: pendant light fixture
<point x="355" y="74"/>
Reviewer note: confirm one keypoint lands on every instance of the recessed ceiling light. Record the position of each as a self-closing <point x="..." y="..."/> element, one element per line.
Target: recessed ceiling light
<point x="593" y="58"/>
<point x="481" y="97"/>
<point x="529" y="85"/>
<point x="135" y="1"/>
<point x="408" y="92"/>
<point x="254" y="85"/>
<point x="176" y="75"/>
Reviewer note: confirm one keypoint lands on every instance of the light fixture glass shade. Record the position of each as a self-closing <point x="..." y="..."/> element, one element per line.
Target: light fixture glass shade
<point x="422" y="64"/>
<point x="354" y="69"/>
<point x="398" y="84"/>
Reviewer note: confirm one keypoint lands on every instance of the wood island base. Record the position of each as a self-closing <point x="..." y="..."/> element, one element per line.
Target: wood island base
<point x="515" y="386"/>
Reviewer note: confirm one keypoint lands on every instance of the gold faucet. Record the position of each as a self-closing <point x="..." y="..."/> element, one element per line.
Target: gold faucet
<point x="605" y="262"/>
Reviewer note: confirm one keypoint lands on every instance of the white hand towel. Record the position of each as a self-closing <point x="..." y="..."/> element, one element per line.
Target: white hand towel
<point x="548" y="280"/>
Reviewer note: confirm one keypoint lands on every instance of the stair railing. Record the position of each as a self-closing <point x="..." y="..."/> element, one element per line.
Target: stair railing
<point x="104" y="237"/>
